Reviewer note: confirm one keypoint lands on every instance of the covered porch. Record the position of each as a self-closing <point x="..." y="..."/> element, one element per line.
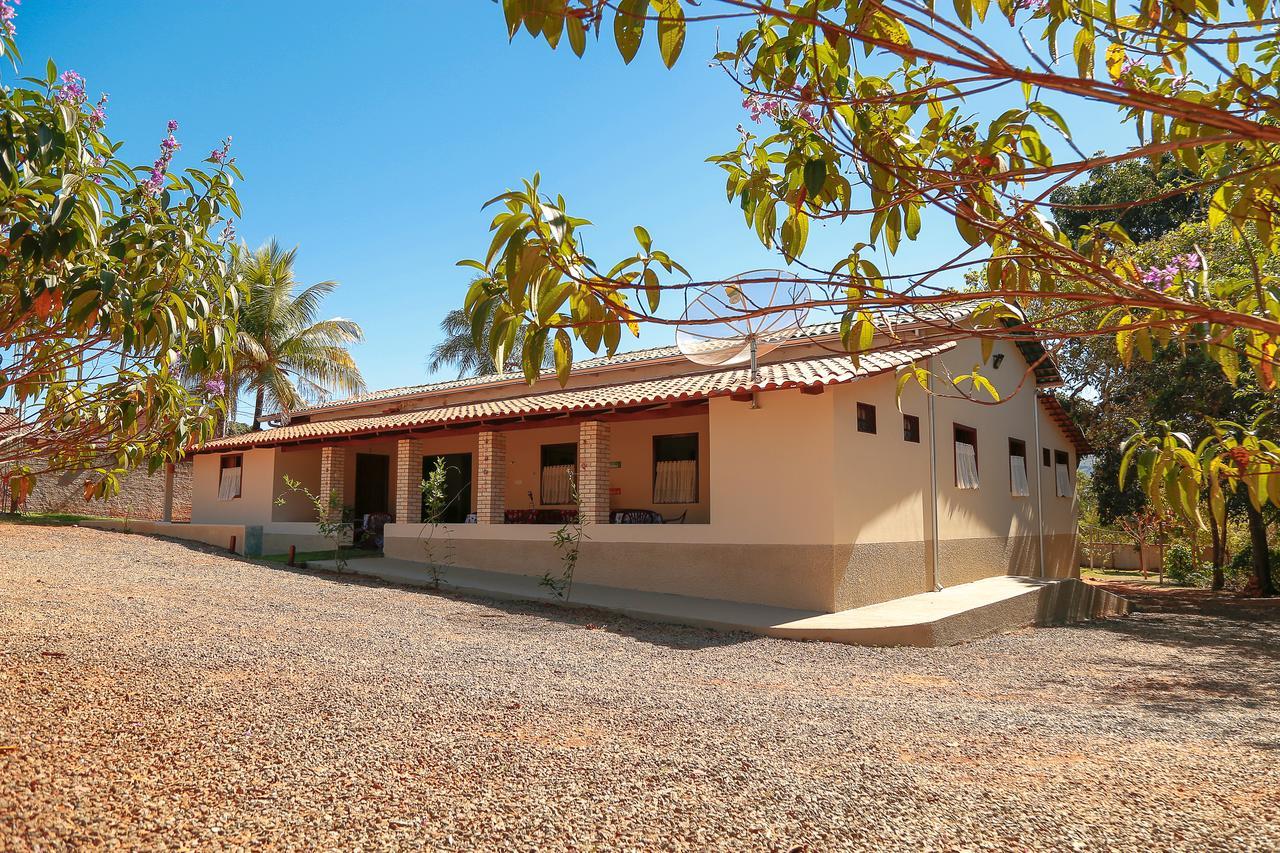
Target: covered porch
<point x="649" y="467"/>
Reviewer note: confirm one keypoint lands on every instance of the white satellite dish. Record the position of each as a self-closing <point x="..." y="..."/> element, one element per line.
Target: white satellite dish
<point x="742" y="318"/>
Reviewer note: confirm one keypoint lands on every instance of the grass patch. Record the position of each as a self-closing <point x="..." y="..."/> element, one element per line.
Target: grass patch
<point x="308" y="556"/>
<point x="44" y="519"/>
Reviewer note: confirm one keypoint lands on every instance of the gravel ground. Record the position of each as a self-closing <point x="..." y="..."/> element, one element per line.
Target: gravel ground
<point x="155" y="695"/>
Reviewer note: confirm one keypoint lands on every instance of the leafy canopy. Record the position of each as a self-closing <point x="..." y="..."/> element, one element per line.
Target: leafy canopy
<point x="899" y="118"/>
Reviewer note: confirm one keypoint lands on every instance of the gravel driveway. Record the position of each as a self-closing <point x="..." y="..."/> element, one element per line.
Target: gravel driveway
<point x="152" y="694"/>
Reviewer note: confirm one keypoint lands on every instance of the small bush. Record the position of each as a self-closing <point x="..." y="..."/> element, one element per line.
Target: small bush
<point x="1240" y="570"/>
<point x="1182" y="569"/>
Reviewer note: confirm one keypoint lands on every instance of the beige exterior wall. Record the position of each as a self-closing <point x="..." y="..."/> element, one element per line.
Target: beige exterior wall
<point x="257" y="489"/>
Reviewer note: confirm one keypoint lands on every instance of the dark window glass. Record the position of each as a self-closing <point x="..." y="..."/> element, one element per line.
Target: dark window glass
<point x="559" y="454"/>
<point x="1048" y="460"/>
<point x="457" y="486"/>
<point x="911" y="428"/>
<point x="866" y="418"/>
<point x="1061" y="457"/>
<point x="675" y="448"/>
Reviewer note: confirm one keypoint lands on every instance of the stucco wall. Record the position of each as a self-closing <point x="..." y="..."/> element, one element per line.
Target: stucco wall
<point x="141" y="495"/>
<point x="258" y="488"/>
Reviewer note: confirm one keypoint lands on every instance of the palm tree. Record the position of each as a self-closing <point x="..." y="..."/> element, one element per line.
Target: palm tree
<point x="284" y="355"/>
<point x="458" y="348"/>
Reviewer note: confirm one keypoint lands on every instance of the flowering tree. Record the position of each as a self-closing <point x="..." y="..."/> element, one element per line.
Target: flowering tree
<point x="899" y="118"/>
<point x="111" y="278"/>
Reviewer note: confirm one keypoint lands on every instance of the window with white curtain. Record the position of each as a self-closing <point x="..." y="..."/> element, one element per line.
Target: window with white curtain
<point x="966" y="439"/>
<point x="229" y="476"/>
<point x="558" y="462"/>
<point x="675" y="469"/>
<point x="1018" y="485"/>
<point x="1062" y="468"/>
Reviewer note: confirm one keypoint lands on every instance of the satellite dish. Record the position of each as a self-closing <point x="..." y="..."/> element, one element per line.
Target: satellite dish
<point x="730" y="322"/>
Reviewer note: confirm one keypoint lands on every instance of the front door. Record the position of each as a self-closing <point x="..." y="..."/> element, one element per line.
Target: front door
<point x="457" y="486"/>
<point x="373" y="484"/>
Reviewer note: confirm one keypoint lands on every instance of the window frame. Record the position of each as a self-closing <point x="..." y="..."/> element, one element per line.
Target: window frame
<point x="956" y="430"/>
<point x="223" y="459"/>
<point x="1020" y="446"/>
<point x="697" y="467"/>
<point x="866" y="417"/>
<point x="1063" y="458"/>
<point x="542" y="467"/>
<point x="911" y="428"/>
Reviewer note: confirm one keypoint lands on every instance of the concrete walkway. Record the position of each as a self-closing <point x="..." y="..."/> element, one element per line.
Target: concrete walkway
<point x="956" y="614"/>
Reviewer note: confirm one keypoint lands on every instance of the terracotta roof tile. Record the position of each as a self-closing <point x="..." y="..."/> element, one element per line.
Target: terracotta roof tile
<point x="940" y="317"/>
<point x="1059" y="415"/>
<point x="811" y="372"/>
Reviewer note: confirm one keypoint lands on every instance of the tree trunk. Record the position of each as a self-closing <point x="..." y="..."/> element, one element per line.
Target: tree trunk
<point x="1217" y="537"/>
<point x="258" y="400"/>
<point x="1258" y="544"/>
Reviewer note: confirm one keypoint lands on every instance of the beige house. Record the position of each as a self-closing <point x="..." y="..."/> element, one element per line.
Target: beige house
<point x="803" y="486"/>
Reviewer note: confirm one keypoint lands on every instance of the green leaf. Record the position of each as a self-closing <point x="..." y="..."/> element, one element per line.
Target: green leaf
<point x="628" y="27"/>
<point x="642" y="237"/>
<point x="671" y="32"/>
<point x="564" y="356"/>
<point x="815" y="177"/>
<point x="577" y="35"/>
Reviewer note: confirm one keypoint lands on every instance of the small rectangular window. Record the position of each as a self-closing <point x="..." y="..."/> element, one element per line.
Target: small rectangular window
<point x="1062" y="472"/>
<point x="230" y="468"/>
<point x="1048" y="460"/>
<point x="1018" y="485"/>
<point x="966" y="457"/>
<point x="675" y="469"/>
<point x="558" y="462"/>
<point x="866" y="418"/>
<point x="911" y="428"/>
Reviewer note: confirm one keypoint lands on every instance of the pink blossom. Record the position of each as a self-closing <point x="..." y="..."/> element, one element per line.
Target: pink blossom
<point x="7" y="14"/>
<point x="154" y="184"/>
<point x="71" y="90"/>
<point x="219" y="155"/>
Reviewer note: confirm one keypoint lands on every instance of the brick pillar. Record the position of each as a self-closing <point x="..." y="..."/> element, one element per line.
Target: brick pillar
<point x="408" y="481"/>
<point x="333" y="478"/>
<point x="167" y="511"/>
<point x="491" y="478"/>
<point x="593" y="472"/>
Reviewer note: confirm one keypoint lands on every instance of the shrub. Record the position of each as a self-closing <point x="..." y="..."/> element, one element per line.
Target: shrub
<point x="1182" y="569"/>
<point x="1240" y="570"/>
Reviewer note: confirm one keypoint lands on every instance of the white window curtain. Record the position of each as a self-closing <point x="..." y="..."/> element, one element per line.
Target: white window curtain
<point x="1064" y="480"/>
<point x="1018" y="476"/>
<point x="229" y="485"/>
<point x="966" y="466"/>
<point x="556" y="484"/>
<point x="676" y="482"/>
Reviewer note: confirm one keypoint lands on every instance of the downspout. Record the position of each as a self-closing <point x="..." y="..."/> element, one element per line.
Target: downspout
<point x="1039" y="463"/>
<point x="933" y="484"/>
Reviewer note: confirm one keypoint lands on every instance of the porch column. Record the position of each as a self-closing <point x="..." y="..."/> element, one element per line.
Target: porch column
<point x="167" y="512"/>
<point x="333" y="478"/>
<point x="491" y="478"/>
<point x="593" y="472"/>
<point x="408" y="481"/>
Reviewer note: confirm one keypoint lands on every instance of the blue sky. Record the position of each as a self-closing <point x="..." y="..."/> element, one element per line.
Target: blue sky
<point x="370" y="135"/>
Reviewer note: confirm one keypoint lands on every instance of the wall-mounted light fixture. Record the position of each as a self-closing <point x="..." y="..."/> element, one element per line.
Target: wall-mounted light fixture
<point x="995" y="361"/>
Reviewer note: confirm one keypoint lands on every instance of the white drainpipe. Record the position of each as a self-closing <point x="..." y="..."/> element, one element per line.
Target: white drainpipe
<point x="1039" y="463"/>
<point x="933" y="483"/>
